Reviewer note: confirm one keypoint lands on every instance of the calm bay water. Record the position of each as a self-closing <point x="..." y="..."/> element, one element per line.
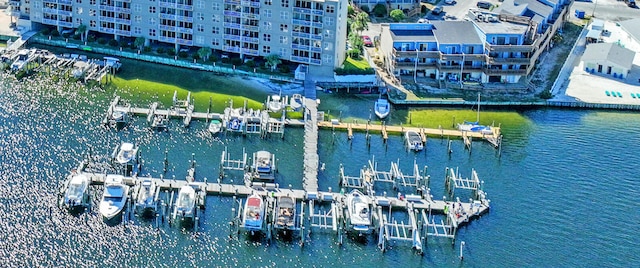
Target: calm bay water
<point x="564" y="192"/>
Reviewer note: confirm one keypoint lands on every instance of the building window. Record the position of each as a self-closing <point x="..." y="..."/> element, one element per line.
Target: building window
<point x="328" y="21"/>
<point x="266" y="25"/>
<point x="216" y="6"/>
<point x="284" y="40"/>
<point x="136" y="7"/>
<point x="78" y="21"/>
<point x="137" y="30"/>
<point x="328" y="59"/>
<point x="266" y="49"/>
<point x="284" y="15"/>
<point x="328" y="34"/>
<point x="215" y="41"/>
<point x="152" y="32"/>
<point x="328" y="46"/>
<point x="92" y="2"/>
<point x="283" y="53"/>
<point x="79" y="10"/>
<point x="215" y="18"/>
<point x="284" y="28"/>
<point x="268" y="2"/>
<point x="199" y="16"/>
<point x="200" y="40"/>
<point x="92" y="12"/>
<point x="215" y="30"/>
<point x="92" y="23"/>
<point x="137" y="18"/>
<point x="266" y="37"/>
<point x="152" y="10"/>
<point x="330" y="9"/>
<point x="200" y="4"/>
<point x="285" y="3"/>
<point x="200" y="28"/>
<point x="152" y="21"/>
<point x="267" y="13"/>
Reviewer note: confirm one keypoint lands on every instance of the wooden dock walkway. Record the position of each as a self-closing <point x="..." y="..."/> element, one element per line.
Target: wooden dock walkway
<point x="311" y="158"/>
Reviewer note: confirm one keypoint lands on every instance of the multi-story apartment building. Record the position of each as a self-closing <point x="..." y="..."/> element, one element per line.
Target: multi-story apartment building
<point x="311" y="32"/>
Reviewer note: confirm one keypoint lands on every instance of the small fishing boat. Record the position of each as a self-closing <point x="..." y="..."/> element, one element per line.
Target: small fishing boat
<point x="22" y="59"/>
<point x="77" y="194"/>
<point x="185" y="204"/>
<point x="263" y="166"/>
<point x="296" y="102"/>
<point x="253" y="216"/>
<point x="215" y="126"/>
<point x="119" y="118"/>
<point x="275" y="103"/>
<point x="286" y="212"/>
<point x="159" y="122"/>
<point x="359" y="211"/>
<point x="146" y="203"/>
<point x="413" y="140"/>
<point x="114" y="197"/>
<point x="382" y="108"/>
<point x="127" y="153"/>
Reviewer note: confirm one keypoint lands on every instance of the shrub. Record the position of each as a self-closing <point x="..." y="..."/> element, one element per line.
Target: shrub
<point x="236" y="61"/>
<point x="342" y="71"/>
<point x="213" y="58"/>
<point x="365" y="8"/>
<point x="397" y="15"/>
<point x="546" y="95"/>
<point x="113" y="43"/>
<point x="91" y="38"/>
<point x="226" y="60"/>
<point x="183" y="54"/>
<point x="76" y="37"/>
<point x="284" y="69"/>
<point x="196" y="56"/>
<point x="102" y="40"/>
<point x="123" y="43"/>
<point x="354" y="53"/>
<point x="171" y="52"/>
<point x="146" y="49"/>
<point x="350" y="11"/>
<point x="45" y="31"/>
<point x="379" y="10"/>
<point x="250" y="64"/>
<point x="55" y="33"/>
<point x="160" y="50"/>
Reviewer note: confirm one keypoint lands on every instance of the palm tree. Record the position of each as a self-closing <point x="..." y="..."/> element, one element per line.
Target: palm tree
<point x="204" y="53"/>
<point x="272" y="61"/>
<point x="82" y="30"/>
<point x="139" y="42"/>
<point x="362" y="19"/>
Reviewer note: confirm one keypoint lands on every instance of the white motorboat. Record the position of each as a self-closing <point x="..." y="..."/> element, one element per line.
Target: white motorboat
<point x="113" y="63"/>
<point x="275" y="103"/>
<point x="286" y="212"/>
<point x="382" y="108"/>
<point x="76" y="194"/>
<point x="253" y="215"/>
<point x="119" y="118"/>
<point x="296" y="102"/>
<point x="22" y="59"/>
<point x="80" y="67"/>
<point x="215" y="126"/>
<point x="359" y="211"/>
<point x="159" y="122"/>
<point x="185" y="203"/>
<point x="263" y="166"/>
<point x="413" y="140"/>
<point x="146" y="202"/>
<point x="114" y="197"/>
<point x="127" y="153"/>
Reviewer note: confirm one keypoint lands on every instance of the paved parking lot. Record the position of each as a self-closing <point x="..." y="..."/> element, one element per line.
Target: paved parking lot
<point x="456" y="11"/>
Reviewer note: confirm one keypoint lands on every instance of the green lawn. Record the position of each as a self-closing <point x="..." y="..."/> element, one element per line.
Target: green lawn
<point x="353" y="64"/>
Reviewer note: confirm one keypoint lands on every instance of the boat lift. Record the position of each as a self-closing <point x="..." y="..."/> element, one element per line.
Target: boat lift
<point x="332" y="219"/>
<point x="391" y="230"/>
<point x="370" y="175"/>
<point x="453" y="181"/>
<point x="183" y="107"/>
<point x="226" y="163"/>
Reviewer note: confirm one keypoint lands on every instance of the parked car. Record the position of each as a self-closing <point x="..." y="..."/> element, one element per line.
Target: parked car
<point x="449" y="2"/>
<point x="437" y="10"/>
<point x="630" y="3"/>
<point x="367" y="41"/>
<point x="483" y="4"/>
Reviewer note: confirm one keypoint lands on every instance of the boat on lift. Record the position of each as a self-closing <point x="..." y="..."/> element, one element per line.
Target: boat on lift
<point x="253" y="213"/>
<point x="114" y="197"/>
<point x="275" y="103"/>
<point x="382" y="108"/>
<point x="413" y="140"/>
<point x="127" y="153"/>
<point x="185" y="203"/>
<point x="215" y="126"/>
<point x="286" y="212"/>
<point x="296" y="102"/>
<point x="77" y="192"/>
<point x="359" y="211"/>
<point x="146" y="203"/>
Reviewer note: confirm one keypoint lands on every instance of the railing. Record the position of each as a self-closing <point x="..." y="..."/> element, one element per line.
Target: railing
<point x="184" y="30"/>
<point x="107" y="30"/>
<point x="251" y="52"/>
<point x="184" y="42"/>
<point x="524" y="61"/>
<point x="107" y="19"/>
<point x="302" y="10"/>
<point x="490" y="71"/>
<point x="509" y="48"/>
<point x="123" y="21"/>
<point x="250" y="16"/>
<point x="167" y="39"/>
<point x="123" y="32"/>
<point x="123" y="10"/>
<point x="107" y="8"/>
<point x="233" y="2"/>
<point x="231" y="13"/>
<point x="231" y="37"/>
<point x="250" y="39"/>
<point x="231" y="48"/>
<point x="66" y="2"/>
<point x="232" y="25"/>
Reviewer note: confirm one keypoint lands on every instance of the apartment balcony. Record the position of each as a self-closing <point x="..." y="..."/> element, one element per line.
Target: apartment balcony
<point x="232" y="25"/>
<point x="250" y="4"/>
<point x="123" y="33"/>
<point x="184" y="7"/>
<point x="49" y="22"/>
<point x="167" y="39"/>
<point x="252" y="52"/>
<point x="167" y="28"/>
<point x="185" y="19"/>
<point x="443" y="67"/>
<point x="412" y="64"/>
<point x="302" y="35"/>
<point x="168" y="16"/>
<point x="300" y="59"/>
<point x="522" y="61"/>
<point x="107" y="30"/>
<point x="124" y="21"/>
<point x="302" y="10"/>
<point x="107" y="8"/>
<point x="232" y="37"/>
<point x="230" y="13"/>
<point x="233" y="2"/>
<point x="65" y="24"/>
<point x="316" y="36"/>
<point x="66" y="2"/>
<point x="316" y="24"/>
<point x="250" y="39"/>
<point x="184" y="30"/>
<point x="414" y="54"/>
<point x="123" y="10"/>
<point x="301" y="22"/>
<point x="316" y="61"/>
<point x="231" y="48"/>
<point x="184" y="42"/>
<point x="250" y="28"/>
<point x="496" y="71"/>
<point x="509" y="48"/>
<point x="107" y="19"/>
<point x="250" y="16"/>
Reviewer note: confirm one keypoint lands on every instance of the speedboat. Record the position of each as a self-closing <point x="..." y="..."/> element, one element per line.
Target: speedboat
<point x="146" y="202"/>
<point x="286" y="212"/>
<point x="114" y="197"/>
<point x="474" y="127"/>
<point x="414" y="140"/>
<point x="359" y="211"/>
<point x="253" y="216"/>
<point x="382" y="108"/>
<point x="21" y="60"/>
<point x="215" y="126"/>
<point x="275" y="104"/>
<point x="159" y="122"/>
<point x="263" y="166"/>
<point x="76" y="194"/>
<point x="296" y="101"/>
<point x="119" y="118"/>
<point x="127" y="153"/>
<point x="186" y="203"/>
